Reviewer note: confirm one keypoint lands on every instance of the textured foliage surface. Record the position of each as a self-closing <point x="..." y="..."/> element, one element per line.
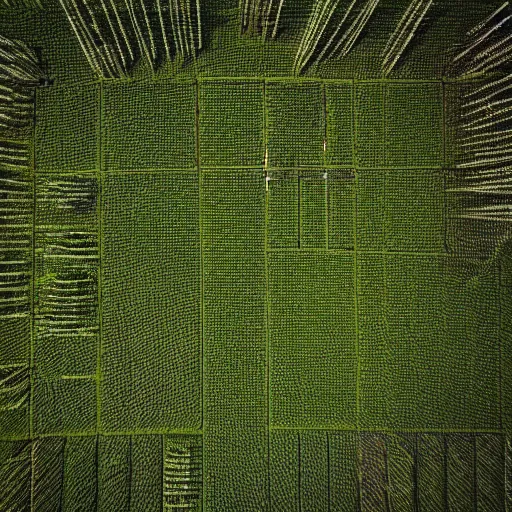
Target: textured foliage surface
<point x="239" y="279"/>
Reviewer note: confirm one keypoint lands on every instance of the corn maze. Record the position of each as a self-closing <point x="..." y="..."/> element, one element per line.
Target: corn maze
<point x="255" y="255"/>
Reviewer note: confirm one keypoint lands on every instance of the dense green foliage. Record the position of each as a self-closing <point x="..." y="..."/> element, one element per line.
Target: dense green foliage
<point x="243" y="278"/>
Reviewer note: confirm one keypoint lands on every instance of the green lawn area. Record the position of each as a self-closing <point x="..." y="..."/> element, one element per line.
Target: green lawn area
<point x="245" y="290"/>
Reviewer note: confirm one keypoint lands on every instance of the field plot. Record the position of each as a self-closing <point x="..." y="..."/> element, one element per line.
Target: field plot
<point x="232" y="124"/>
<point x="150" y="353"/>
<point x="66" y="308"/>
<point x="234" y="322"/>
<point x="241" y="272"/>
<point x="67" y="129"/>
<point x="415" y="339"/>
<point x="148" y="126"/>
<point x="399" y="125"/>
<point x="279" y="292"/>
<point x="312" y="336"/>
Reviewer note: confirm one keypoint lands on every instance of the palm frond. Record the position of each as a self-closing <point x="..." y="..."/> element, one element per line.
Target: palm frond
<point x="182" y="473"/>
<point x="260" y="17"/>
<point x="484" y="142"/>
<point x="482" y="121"/>
<point x="404" y="33"/>
<point x="330" y="33"/>
<point x="353" y="33"/>
<point x="19" y="73"/>
<point x="16" y="475"/>
<point x="488" y="47"/>
<point x="16" y="206"/>
<point x="114" y="39"/>
<point x="19" y="65"/>
<point x="317" y="25"/>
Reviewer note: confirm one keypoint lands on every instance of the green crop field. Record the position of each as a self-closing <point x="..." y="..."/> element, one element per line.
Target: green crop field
<point x="255" y="256"/>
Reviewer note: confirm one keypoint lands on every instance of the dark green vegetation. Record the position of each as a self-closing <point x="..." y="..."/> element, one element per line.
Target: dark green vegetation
<point x="260" y="262"/>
